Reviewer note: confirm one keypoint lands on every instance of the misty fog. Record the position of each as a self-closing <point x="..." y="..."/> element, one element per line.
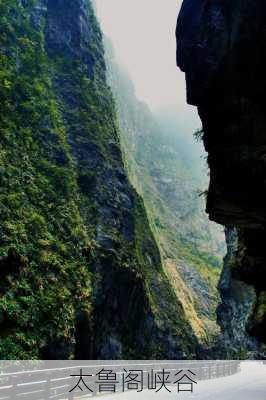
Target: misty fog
<point x="143" y="36"/>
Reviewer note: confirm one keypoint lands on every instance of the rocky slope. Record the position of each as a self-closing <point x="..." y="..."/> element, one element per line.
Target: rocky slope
<point x="81" y="275"/>
<point x="221" y="48"/>
<point x="161" y="166"/>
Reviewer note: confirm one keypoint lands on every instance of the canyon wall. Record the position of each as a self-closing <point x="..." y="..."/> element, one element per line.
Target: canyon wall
<point x="81" y="274"/>
<point x="164" y="168"/>
<point x="221" y="47"/>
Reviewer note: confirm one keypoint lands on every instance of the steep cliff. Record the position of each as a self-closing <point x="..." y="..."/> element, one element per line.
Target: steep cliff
<point x="161" y="166"/>
<point x="81" y="275"/>
<point x="222" y="49"/>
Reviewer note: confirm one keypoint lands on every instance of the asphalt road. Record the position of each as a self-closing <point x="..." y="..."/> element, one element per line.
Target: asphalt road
<point x="248" y="384"/>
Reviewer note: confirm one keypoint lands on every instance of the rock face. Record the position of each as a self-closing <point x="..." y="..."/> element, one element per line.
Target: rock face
<point x="81" y="275"/>
<point x="160" y="164"/>
<point x="236" y="308"/>
<point x="221" y="46"/>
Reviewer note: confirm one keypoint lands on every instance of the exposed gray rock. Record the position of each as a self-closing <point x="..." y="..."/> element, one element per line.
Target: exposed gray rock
<point x="238" y="301"/>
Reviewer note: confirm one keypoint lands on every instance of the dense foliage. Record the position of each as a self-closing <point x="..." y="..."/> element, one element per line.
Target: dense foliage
<point x="81" y="274"/>
<point x="43" y="272"/>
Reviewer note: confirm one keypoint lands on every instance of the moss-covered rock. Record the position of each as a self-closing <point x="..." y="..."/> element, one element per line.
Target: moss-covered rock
<point x="81" y="276"/>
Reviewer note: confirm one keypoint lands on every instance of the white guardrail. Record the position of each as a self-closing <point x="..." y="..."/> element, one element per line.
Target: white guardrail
<point x="25" y="380"/>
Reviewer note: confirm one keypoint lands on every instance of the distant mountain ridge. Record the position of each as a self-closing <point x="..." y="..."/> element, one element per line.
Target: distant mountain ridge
<point x="168" y="178"/>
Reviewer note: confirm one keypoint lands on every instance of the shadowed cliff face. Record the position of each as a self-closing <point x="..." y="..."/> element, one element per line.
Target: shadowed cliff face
<point x="123" y="319"/>
<point x="221" y="46"/>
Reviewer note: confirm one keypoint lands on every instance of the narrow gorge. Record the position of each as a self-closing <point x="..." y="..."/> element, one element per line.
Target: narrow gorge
<point x="106" y="249"/>
<point x="167" y="174"/>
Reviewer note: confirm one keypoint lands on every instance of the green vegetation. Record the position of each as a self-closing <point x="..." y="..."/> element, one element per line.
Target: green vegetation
<point x="43" y="275"/>
<point x="198" y="135"/>
<point x="75" y="241"/>
<point x="169" y="183"/>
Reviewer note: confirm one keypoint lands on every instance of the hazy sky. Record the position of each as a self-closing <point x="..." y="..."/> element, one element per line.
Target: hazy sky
<point x="143" y="36"/>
